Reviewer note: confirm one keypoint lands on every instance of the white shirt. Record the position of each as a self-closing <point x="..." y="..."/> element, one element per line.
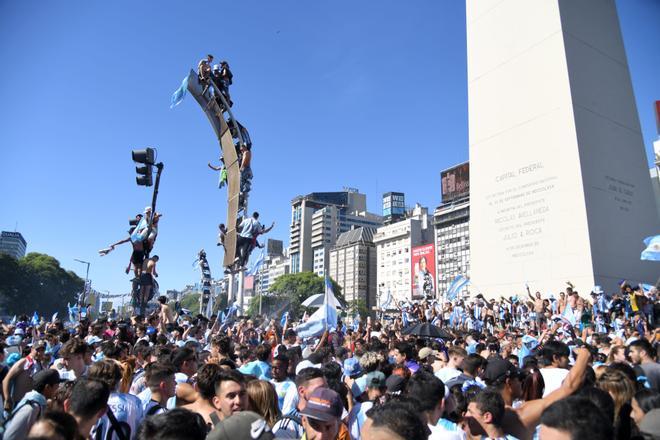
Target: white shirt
<point x="552" y="377"/>
<point x="446" y="374"/>
<point x="440" y="433"/>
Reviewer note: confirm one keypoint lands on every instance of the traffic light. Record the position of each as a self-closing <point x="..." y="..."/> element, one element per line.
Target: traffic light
<point x="146" y="157"/>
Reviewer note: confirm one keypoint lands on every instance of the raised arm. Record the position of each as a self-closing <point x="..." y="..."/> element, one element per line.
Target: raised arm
<point x="530" y="412"/>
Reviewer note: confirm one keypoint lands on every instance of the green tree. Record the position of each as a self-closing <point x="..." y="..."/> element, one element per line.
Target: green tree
<point x="191" y="302"/>
<point x="357" y="306"/>
<point x="297" y="287"/>
<point x="37" y="282"/>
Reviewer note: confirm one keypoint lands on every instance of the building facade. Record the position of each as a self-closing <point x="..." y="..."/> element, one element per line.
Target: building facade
<point x="13" y="243"/>
<point x="274" y="267"/>
<point x="394" y="245"/>
<point x="353" y="265"/>
<point x="317" y="220"/>
<point x="452" y="232"/>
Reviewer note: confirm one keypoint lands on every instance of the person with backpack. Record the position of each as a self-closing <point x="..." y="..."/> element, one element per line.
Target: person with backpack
<point x="32" y="405"/>
<point x="124" y="410"/>
<point x="161" y="382"/>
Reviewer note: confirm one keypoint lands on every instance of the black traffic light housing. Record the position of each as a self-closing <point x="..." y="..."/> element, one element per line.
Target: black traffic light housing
<point x="146" y="157"/>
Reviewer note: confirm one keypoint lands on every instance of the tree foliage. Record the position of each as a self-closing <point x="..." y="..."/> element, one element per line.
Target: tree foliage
<point x="36" y="282"/>
<point x="294" y="288"/>
<point x="191" y="302"/>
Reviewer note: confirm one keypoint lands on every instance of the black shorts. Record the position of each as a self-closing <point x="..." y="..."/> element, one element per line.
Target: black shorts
<point x="137" y="258"/>
<point x="146" y="279"/>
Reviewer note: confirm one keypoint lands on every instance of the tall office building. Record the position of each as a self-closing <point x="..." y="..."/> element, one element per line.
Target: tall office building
<point x="275" y="265"/>
<point x="12" y="243"/>
<point x="318" y="219"/>
<point x="395" y="243"/>
<point x="353" y="265"/>
<point x="452" y="233"/>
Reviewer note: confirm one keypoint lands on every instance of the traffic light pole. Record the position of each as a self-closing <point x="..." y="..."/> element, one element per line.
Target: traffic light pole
<point x="147" y="249"/>
<point x="160" y="167"/>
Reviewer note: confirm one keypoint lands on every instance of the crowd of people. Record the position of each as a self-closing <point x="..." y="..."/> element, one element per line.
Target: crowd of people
<point x="521" y="367"/>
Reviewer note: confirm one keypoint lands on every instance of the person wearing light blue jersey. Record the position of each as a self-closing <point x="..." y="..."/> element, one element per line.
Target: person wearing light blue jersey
<point x="280" y="380"/>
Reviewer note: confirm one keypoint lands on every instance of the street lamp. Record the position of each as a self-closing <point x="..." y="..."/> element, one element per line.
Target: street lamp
<point x="84" y="292"/>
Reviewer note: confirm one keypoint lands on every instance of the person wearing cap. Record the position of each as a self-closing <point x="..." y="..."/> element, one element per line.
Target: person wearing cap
<point x="307" y="380"/>
<point x="32" y="405"/>
<point x="321" y="415"/>
<point x="243" y="425"/>
<point x="18" y="380"/>
<point x="368" y="389"/>
<point x="428" y="356"/>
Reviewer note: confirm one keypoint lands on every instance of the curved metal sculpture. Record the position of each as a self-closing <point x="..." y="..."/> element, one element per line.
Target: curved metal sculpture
<point x="231" y="136"/>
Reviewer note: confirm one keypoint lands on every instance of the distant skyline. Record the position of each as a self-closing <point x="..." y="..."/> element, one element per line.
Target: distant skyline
<point x="374" y="98"/>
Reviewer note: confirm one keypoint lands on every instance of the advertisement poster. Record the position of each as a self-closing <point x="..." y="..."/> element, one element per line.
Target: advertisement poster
<point x="423" y="271"/>
<point x="455" y="182"/>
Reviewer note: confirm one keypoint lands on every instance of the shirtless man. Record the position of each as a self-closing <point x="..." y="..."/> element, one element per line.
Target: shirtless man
<point x="246" y="171"/>
<point x="167" y="319"/>
<point x="147" y="280"/>
<point x="204" y="67"/>
<point x="539" y="308"/>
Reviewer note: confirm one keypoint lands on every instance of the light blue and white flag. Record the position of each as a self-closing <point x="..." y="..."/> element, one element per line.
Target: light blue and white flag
<point x="140" y="231"/>
<point x="54" y="317"/>
<point x="283" y="319"/>
<point x="35" y="319"/>
<point x="646" y="288"/>
<point x="257" y="264"/>
<point x="405" y="320"/>
<point x="13" y="320"/>
<point x="456" y="286"/>
<point x="325" y="318"/>
<point x="179" y="93"/>
<point x="356" y="322"/>
<point x="652" y="251"/>
<point x="529" y="343"/>
<point x="385" y="303"/>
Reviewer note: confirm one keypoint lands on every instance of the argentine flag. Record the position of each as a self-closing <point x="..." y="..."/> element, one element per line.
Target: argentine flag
<point x="257" y="264"/>
<point x="179" y="93"/>
<point x="652" y="251"/>
<point x="387" y="301"/>
<point x="323" y="319"/>
<point x="456" y="286"/>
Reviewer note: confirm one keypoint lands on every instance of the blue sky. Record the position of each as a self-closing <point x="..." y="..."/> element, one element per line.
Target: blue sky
<point x="330" y="91"/>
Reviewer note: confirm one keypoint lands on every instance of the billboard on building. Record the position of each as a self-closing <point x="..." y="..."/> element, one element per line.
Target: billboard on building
<point x="455" y="182"/>
<point x="394" y="203"/>
<point x="423" y="271"/>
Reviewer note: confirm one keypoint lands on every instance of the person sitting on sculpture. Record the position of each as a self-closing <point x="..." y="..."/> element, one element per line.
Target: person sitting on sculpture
<point x="221" y="235"/>
<point x="222" y="79"/>
<point x="204" y="68"/>
<point x="223" y="172"/>
<point x="249" y="229"/>
<point x="246" y="170"/>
